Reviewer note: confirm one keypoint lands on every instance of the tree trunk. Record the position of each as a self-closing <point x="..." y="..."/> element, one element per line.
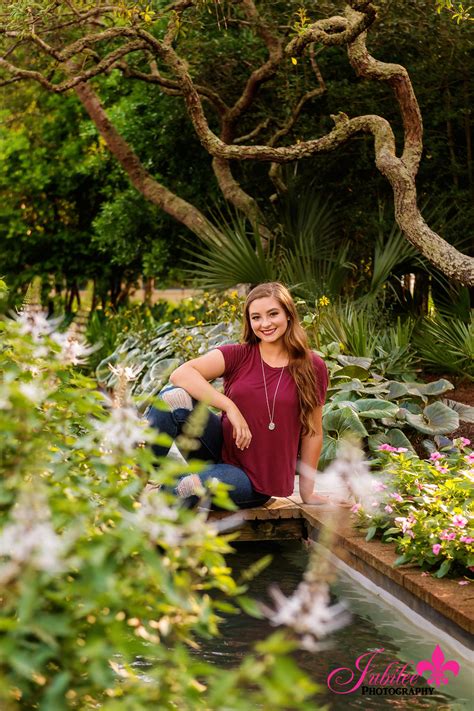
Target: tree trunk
<point x="150" y="188"/>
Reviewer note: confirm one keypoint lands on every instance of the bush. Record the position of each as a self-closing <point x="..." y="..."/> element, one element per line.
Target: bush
<point x="426" y="507"/>
<point x="85" y="590"/>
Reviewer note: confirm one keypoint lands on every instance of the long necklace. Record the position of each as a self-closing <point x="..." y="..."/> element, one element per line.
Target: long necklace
<point x="271" y="424"/>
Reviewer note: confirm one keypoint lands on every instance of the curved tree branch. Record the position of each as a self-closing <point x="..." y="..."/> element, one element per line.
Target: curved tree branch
<point x="156" y="193"/>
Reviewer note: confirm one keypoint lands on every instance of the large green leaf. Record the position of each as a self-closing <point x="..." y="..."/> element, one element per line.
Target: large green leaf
<point x="437" y="418"/>
<point x="421" y="390"/>
<point x="395" y="437"/>
<point x="343" y="421"/>
<point x="465" y="412"/>
<point x="352" y="371"/>
<point x="346" y="360"/>
<point x="376" y="409"/>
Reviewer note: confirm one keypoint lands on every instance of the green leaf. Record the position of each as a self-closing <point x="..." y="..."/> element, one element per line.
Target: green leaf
<point x="465" y="412"/>
<point x="361" y="362"/>
<point x="376" y="409"/>
<point x="344" y="421"/>
<point x="402" y="559"/>
<point x="351" y="371"/>
<point x="395" y="437"/>
<point x="443" y="569"/>
<point x="250" y="607"/>
<point x="371" y="533"/>
<point x="437" y="418"/>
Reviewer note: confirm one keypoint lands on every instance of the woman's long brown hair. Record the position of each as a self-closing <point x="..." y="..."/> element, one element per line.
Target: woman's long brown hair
<point x="300" y="363"/>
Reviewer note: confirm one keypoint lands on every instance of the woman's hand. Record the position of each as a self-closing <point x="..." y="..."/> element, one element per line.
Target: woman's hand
<point x="241" y="431"/>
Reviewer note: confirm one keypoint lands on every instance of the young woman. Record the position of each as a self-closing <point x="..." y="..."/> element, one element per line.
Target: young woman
<point x="274" y="390"/>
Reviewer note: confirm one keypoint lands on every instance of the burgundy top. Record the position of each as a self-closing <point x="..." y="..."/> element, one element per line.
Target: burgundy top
<point x="270" y="460"/>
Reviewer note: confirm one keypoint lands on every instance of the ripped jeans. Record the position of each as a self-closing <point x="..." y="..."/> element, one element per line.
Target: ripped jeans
<point x="171" y="422"/>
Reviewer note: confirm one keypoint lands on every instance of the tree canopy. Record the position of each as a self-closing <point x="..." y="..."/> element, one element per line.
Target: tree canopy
<point x="254" y="78"/>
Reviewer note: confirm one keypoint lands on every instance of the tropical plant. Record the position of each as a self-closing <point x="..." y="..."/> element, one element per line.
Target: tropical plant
<point x="425" y="506"/>
<point x="446" y="344"/>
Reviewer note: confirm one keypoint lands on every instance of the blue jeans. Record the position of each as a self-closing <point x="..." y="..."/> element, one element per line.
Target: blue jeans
<point x="242" y="494"/>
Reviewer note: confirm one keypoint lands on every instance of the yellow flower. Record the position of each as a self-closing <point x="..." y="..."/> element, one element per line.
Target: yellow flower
<point x="341" y="347"/>
<point x="226" y="303"/>
<point x="200" y="323"/>
<point x="324" y="301"/>
<point x="177" y="320"/>
<point x="294" y="60"/>
<point x="233" y="307"/>
<point x="234" y="294"/>
<point x="191" y="318"/>
<point x="188" y="338"/>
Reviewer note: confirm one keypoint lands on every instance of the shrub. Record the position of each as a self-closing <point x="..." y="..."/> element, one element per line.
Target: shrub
<point x="85" y="590"/>
<point x="426" y="507"/>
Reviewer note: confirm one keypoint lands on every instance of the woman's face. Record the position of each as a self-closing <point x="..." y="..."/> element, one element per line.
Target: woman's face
<point x="268" y="319"/>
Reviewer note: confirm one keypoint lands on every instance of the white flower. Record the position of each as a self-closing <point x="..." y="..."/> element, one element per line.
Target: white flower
<point x="32" y="392"/>
<point x="121" y="431"/>
<point x="129" y="373"/>
<point x="74" y="349"/>
<point x="30" y="539"/>
<point x="308" y="612"/>
<point x="33" y="321"/>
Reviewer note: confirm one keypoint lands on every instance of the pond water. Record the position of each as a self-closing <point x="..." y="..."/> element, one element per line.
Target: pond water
<point x="375" y="625"/>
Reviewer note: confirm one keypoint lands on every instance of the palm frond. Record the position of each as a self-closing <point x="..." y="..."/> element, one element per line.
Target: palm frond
<point x="234" y="255"/>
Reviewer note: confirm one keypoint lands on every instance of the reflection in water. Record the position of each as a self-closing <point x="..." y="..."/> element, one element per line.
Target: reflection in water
<point x="374" y="626"/>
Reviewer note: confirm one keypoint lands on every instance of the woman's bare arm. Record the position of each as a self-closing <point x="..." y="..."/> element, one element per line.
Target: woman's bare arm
<point x="311" y="446"/>
<point x="194" y="377"/>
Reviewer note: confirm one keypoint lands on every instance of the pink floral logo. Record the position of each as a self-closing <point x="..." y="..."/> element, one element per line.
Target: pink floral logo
<point x="438" y="667"/>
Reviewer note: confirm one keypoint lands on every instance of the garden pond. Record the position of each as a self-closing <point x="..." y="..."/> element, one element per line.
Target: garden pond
<point x="375" y="625"/>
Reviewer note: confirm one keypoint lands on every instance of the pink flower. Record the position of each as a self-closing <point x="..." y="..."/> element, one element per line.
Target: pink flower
<point x="375" y="503"/>
<point x="406" y="524"/>
<point x="386" y="448"/>
<point x="399" y="450"/>
<point x="388" y="509"/>
<point x="463" y="582"/>
<point x="409" y="533"/>
<point x="466" y="539"/>
<point x="435" y="455"/>
<point x="378" y="485"/>
<point x="356" y="508"/>
<point x="447" y="535"/>
<point x="436" y="548"/>
<point x="459" y="521"/>
<point x="465" y="442"/>
<point x="396" y="496"/>
<point x="469" y="458"/>
<point x="425" y="575"/>
<point x="442" y="470"/>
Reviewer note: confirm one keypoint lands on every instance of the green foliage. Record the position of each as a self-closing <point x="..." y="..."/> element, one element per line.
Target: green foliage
<point x="459" y="12"/>
<point x="377" y="410"/>
<point x="446" y="343"/>
<point x="425" y="507"/>
<point x="95" y="570"/>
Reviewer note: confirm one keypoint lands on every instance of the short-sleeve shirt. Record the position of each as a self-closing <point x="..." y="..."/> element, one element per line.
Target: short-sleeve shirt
<point x="270" y="460"/>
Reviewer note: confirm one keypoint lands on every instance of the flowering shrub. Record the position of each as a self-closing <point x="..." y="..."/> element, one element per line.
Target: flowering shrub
<point x="85" y="590"/>
<point x="425" y="507"/>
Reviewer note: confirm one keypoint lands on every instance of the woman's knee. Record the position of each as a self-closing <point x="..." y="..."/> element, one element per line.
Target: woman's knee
<point x="176" y="398"/>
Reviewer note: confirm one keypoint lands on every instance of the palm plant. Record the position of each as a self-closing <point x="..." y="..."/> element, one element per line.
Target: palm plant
<point x="305" y="252"/>
<point x="233" y="255"/>
<point x="446" y="344"/>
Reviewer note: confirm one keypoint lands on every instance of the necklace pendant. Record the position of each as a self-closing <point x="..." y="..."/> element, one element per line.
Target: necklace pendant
<point x="271" y="425"/>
